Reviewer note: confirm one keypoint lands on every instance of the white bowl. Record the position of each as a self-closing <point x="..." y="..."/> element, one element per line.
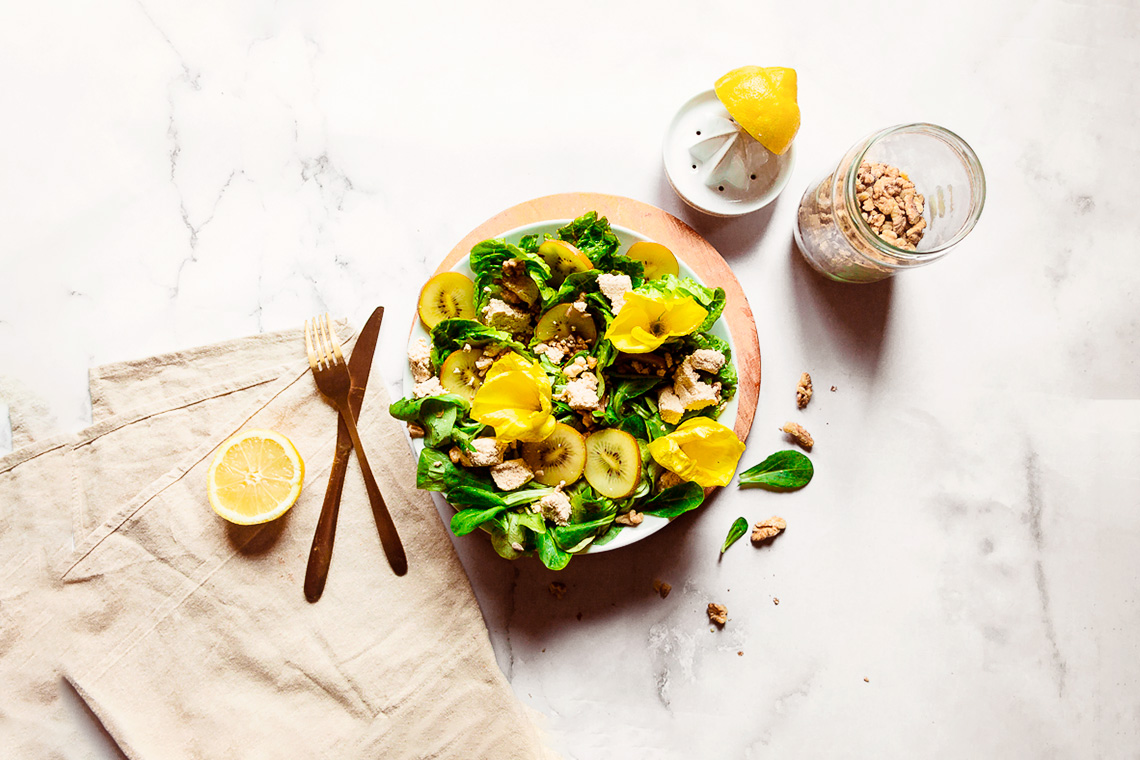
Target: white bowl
<point x="652" y="523"/>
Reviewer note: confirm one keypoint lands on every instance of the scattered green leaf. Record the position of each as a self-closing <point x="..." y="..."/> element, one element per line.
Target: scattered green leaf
<point x="783" y="471"/>
<point x="738" y="529"/>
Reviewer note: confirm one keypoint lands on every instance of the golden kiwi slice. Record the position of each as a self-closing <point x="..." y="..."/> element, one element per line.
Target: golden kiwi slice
<point x="562" y="321"/>
<point x="560" y="457"/>
<point x="657" y="259"/>
<point x="613" y="463"/>
<point x="563" y="260"/>
<point x="448" y="295"/>
<point x="458" y="374"/>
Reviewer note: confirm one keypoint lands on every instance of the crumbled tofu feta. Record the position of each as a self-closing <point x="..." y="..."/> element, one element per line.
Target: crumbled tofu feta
<point x="555" y="508"/>
<point x="693" y="392"/>
<point x="579" y="306"/>
<point x="707" y="360"/>
<point x="614" y="287"/>
<point x="576" y="367"/>
<point x="553" y="352"/>
<point x="502" y="316"/>
<point x="511" y="474"/>
<point x="669" y="405"/>
<point x="429" y="387"/>
<point x="419" y="358"/>
<point x="483" y="363"/>
<point x="486" y="452"/>
<point x="581" y="393"/>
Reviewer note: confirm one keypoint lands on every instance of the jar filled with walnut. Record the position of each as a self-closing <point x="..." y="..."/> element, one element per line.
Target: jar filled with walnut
<point x="900" y="198"/>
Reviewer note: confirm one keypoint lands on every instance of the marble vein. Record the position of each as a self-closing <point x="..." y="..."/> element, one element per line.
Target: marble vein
<point x="1036" y="503"/>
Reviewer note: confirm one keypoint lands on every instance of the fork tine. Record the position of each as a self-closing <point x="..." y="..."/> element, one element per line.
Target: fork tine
<point x="333" y="339"/>
<point x="313" y="363"/>
<point x="326" y="351"/>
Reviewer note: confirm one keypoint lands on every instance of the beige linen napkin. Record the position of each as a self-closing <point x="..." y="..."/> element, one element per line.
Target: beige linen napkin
<point x="189" y="637"/>
<point x="61" y="487"/>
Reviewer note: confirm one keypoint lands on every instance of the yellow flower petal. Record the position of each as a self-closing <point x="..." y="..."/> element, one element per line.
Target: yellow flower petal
<point x="515" y="400"/>
<point x="683" y="315"/>
<point x="701" y="450"/>
<point x="645" y="322"/>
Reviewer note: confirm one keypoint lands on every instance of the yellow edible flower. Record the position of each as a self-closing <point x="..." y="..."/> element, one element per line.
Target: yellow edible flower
<point x="645" y="322"/>
<point x="515" y="399"/>
<point x="701" y="450"/>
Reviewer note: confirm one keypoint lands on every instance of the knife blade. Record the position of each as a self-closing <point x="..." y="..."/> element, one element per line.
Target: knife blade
<point x="359" y="367"/>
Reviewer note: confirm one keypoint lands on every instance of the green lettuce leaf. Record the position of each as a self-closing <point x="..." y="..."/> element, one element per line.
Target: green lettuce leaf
<point x="487" y="259"/>
<point x="550" y="553"/>
<point x="674" y="501"/>
<point x="575" y="537"/>
<point x="453" y="334"/>
<point x="436" y="472"/>
<point x="436" y="414"/>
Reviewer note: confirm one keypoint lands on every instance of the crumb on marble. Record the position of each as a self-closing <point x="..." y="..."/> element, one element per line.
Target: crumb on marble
<point x="740" y="654"/>
<point x="799" y="434"/>
<point x="661" y="587"/>
<point x="866" y="680"/>
<point x="557" y="589"/>
<point x="770" y="528"/>
<point x="718" y="614"/>
<point x="776" y="601"/>
<point x="803" y="390"/>
<point x="833" y="389"/>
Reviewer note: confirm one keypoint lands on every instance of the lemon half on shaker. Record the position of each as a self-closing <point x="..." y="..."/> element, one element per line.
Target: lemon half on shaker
<point x="255" y="477"/>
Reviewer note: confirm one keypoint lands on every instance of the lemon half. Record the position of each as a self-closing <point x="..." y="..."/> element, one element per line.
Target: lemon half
<point x="255" y="477"/>
<point x="763" y="103"/>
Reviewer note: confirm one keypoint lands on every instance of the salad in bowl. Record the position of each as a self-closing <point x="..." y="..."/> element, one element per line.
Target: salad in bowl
<point x="566" y="390"/>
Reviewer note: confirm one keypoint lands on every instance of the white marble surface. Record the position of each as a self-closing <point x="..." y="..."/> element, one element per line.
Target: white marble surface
<point x="961" y="577"/>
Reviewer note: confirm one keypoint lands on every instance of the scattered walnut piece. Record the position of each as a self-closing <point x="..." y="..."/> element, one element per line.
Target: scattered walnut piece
<point x="557" y="589"/>
<point x="833" y="389"/>
<point x="801" y="436"/>
<point x="890" y="204"/>
<point x="416" y="430"/>
<point x="776" y="601"/>
<point x="661" y="587"/>
<point x="866" y="680"/>
<point x="718" y="614"/>
<point x="762" y="531"/>
<point x="803" y="391"/>
<point x="632" y="517"/>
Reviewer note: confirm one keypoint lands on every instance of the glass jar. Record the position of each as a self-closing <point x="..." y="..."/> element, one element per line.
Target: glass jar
<point x="839" y="243"/>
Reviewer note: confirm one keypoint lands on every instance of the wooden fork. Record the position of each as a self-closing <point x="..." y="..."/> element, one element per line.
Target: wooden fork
<point x="331" y="374"/>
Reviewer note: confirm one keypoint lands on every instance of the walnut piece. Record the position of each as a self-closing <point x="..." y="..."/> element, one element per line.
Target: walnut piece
<point x="890" y="204"/>
<point x="797" y="432"/>
<point x="718" y="614"/>
<point x="416" y="430"/>
<point x="661" y="587"/>
<point x="632" y="517"/>
<point x="803" y="391"/>
<point x="770" y="528"/>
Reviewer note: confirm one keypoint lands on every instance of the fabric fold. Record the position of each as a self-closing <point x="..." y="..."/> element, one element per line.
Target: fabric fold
<point x="189" y="636"/>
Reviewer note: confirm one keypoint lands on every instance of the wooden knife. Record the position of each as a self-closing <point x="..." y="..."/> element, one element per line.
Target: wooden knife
<point x="359" y="367"/>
